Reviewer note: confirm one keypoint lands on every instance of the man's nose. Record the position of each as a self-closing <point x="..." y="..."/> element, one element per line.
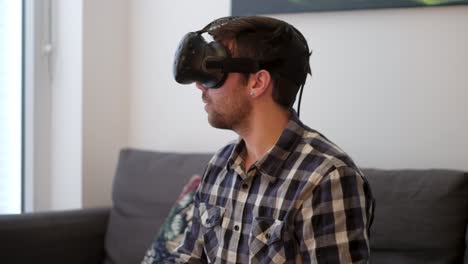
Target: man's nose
<point x="201" y="87"/>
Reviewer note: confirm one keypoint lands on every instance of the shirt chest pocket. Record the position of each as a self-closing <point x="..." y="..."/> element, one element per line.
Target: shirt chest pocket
<point x="211" y="218"/>
<point x="268" y="241"/>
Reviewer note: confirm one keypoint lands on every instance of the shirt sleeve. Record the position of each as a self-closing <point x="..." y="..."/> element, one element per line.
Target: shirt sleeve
<point x="191" y="249"/>
<point x="333" y="223"/>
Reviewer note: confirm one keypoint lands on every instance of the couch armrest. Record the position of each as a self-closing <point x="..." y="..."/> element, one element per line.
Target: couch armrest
<point x="75" y="236"/>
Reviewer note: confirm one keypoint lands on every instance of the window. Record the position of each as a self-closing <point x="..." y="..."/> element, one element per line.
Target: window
<point x="11" y="104"/>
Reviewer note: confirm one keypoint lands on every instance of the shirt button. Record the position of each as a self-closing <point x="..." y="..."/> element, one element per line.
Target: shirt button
<point x="245" y="186"/>
<point x="236" y="228"/>
<point x="267" y="236"/>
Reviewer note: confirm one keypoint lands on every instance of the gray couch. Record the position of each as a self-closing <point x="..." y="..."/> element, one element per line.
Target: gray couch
<point x="421" y="216"/>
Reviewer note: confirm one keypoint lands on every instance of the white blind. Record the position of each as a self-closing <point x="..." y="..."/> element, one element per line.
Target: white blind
<point x="10" y="105"/>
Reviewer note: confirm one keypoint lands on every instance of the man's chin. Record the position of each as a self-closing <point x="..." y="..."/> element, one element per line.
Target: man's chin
<point x="217" y="123"/>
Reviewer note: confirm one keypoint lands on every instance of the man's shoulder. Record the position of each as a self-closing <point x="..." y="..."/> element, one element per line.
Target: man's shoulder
<point x="223" y="154"/>
<point x="317" y="145"/>
<point x="217" y="164"/>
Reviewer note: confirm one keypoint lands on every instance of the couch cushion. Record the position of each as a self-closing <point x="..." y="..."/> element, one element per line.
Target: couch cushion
<point x="420" y="216"/>
<point x="145" y="188"/>
<point x="171" y="233"/>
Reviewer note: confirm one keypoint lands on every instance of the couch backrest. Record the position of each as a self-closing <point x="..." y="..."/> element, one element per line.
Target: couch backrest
<point x="421" y="215"/>
<point x="145" y="187"/>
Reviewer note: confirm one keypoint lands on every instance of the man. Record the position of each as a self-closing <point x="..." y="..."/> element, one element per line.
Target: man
<point x="281" y="193"/>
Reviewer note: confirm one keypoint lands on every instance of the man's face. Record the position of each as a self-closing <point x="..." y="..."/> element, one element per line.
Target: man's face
<point x="228" y="107"/>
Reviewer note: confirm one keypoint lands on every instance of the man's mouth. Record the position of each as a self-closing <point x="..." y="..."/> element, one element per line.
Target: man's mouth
<point x="205" y="99"/>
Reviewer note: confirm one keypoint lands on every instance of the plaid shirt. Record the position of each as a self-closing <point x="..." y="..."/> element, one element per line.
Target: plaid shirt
<point x="304" y="201"/>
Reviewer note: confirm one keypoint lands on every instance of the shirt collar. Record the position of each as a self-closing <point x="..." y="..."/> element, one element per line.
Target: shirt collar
<point x="273" y="161"/>
<point x="235" y="159"/>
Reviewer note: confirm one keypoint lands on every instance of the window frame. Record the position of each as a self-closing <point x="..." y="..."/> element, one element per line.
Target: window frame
<point x="36" y="103"/>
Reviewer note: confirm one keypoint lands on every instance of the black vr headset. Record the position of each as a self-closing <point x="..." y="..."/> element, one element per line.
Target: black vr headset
<point x="197" y="60"/>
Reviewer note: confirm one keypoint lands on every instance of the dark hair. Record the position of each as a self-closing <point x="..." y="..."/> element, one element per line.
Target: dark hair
<point x="276" y="45"/>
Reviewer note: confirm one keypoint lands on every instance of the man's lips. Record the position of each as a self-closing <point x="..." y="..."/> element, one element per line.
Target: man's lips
<point x="205" y="99"/>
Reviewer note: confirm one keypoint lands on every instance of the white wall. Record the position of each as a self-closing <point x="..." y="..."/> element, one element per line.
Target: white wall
<point x="163" y="114"/>
<point x="389" y="86"/>
<point x="105" y="95"/>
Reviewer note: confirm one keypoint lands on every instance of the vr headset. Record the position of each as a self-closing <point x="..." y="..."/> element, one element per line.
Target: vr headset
<point x="209" y="62"/>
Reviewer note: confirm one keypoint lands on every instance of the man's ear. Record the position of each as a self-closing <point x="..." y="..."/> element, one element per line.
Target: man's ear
<point x="259" y="83"/>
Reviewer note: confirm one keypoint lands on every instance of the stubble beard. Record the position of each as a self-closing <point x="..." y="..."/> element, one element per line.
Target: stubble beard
<point x="232" y="115"/>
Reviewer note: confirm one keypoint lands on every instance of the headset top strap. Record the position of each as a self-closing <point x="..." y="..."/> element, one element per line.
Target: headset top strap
<point x="218" y="23"/>
<point x="226" y="65"/>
